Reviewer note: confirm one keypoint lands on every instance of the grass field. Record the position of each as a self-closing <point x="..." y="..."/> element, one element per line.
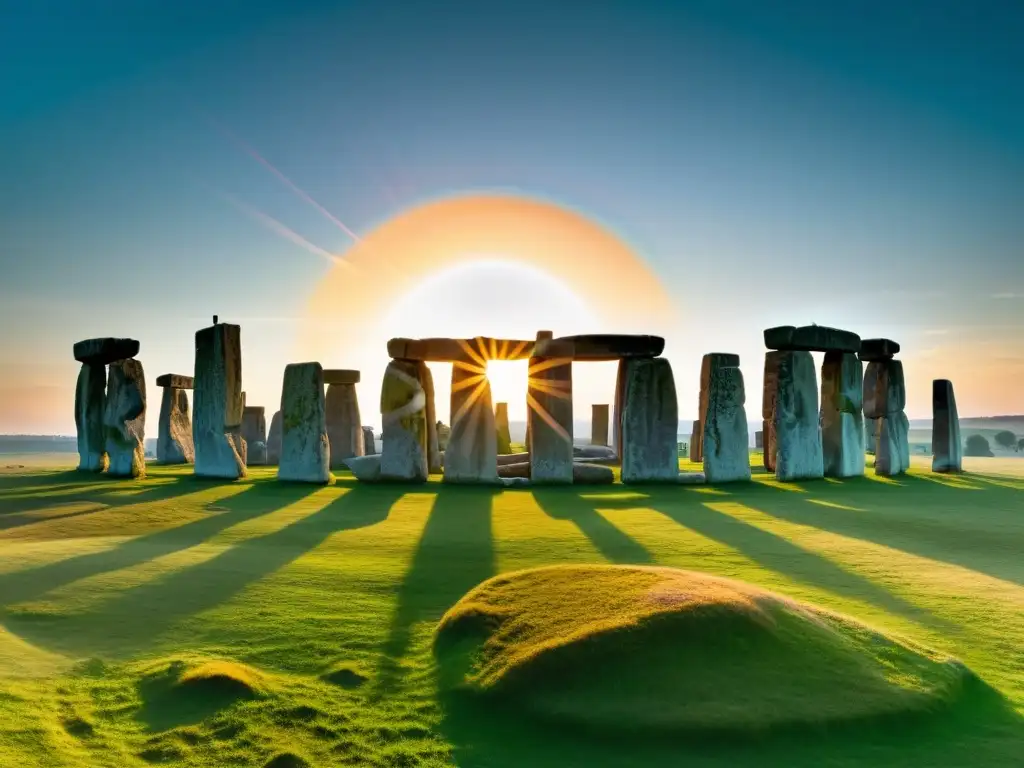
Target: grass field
<point x="175" y="621"/>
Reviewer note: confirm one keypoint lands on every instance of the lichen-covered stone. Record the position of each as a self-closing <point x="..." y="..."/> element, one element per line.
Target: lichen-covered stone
<point x="369" y="444"/>
<point x="344" y="424"/>
<point x="711" y="362"/>
<point x="502" y="428"/>
<point x="472" y="452"/>
<point x="795" y="417"/>
<point x="599" y="424"/>
<point x="947" y="450"/>
<point x="124" y="419"/>
<point x="650" y="420"/>
<point x="90" y="403"/>
<point x="305" y="450"/>
<point x="217" y="403"/>
<point x="725" y="440"/>
<point x="549" y="418"/>
<point x="403" y="404"/>
<point x="104" y="351"/>
<point x="842" y="419"/>
<point x="274" y="440"/>
<point x="174" y="436"/>
<point x="811" y="338"/>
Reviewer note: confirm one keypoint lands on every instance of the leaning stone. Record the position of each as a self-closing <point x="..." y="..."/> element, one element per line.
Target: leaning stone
<point x="591" y="474"/>
<point x="725" y="440"/>
<point x="472" y="452"/>
<point x="599" y="424"/>
<point x="217" y="403"/>
<point x="517" y="469"/>
<point x="403" y="409"/>
<point x="305" y="450"/>
<point x="174" y="434"/>
<point x="340" y="376"/>
<point x="885" y="390"/>
<point x="274" y="440"/>
<point x="90" y="403"/>
<point x="124" y="419"/>
<point x="344" y="424"/>
<point x="691" y="478"/>
<point x="601" y="346"/>
<point x="175" y="380"/>
<point x="365" y="468"/>
<point x="842" y="418"/>
<point x="549" y="419"/>
<point x="877" y="349"/>
<point x="811" y="338"/>
<point x="502" y="428"/>
<point x="105" y="350"/>
<point x="369" y="444"/>
<point x="696" y="443"/>
<point x="650" y="420"/>
<point x="947" y="450"/>
<point x="797" y="431"/>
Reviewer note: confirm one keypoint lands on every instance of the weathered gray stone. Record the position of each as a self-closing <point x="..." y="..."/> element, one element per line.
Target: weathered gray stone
<point x="448" y="350"/>
<point x="513" y="458"/>
<point x="502" y="428"/>
<point x="434" y="458"/>
<point x="514" y="469"/>
<point x="515" y="482"/>
<point x="884" y="388"/>
<point x="584" y="473"/>
<point x="549" y="419"/>
<point x="593" y="452"/>
<point x="305" y="449"/>
<point x="344" y="424"/>
<point x="175" y="381"/>
<point x="842" y="419"/>
<point x="650" y="419"/>
<point x="811" y="338"/>
<point x="174" y="436"/>
<point x="443" y="432"/>
<point x="870" y="435"/>
<point x="104" y="351"/>
<point x="403" y="404"/>
<point x="947" y="449"/>
<point x="90" y="403"/>
<point x="253" y="430"/>
<point x="892" y="456"/>
<point x="601" y="346"/>
<point x="691" y="478"/>
<point x="472" y="452"/>
<point x="696" y="443"/>
<point x="725" y="440"/>
<point x="711" y="362"/>
<point x="217" y="403"/>
<point x="877" y="349"/>
<point x="599" y="424"/>
<point x="124" y="419"/>
<point x="369" y="444"/>
<point x="365" y="468"/>
<point x="256" y="453"/>
<point x="759" y="440"/>
<point x="274" y="440"/>
<point x="796" y="430"/>
<point x="340" y="376"/>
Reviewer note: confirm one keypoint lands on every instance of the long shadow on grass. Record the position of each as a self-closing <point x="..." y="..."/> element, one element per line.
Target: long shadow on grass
<point x="454" y="554"/>
<point x="982" y="530"/>
<point x="981" y="729"/>
<point x="100" y="489"/>
<point x="616" y="545"/>
<point x="135" y="619"/>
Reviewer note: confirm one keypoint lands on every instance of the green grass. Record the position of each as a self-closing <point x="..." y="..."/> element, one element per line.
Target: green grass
<point x="176" y="621"/>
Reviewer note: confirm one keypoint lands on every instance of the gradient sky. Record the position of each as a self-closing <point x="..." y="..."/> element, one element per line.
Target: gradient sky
<point x="850" y="164"/>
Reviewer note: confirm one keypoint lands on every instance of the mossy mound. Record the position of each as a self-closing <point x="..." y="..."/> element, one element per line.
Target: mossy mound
<point x="659" y="648"/>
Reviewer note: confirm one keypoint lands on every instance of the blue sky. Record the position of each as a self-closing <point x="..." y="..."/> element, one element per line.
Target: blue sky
<point x="855" y="164"/>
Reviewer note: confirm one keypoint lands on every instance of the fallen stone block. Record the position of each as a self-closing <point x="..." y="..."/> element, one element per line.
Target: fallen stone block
<point x="365" y="468"/>
<point x="584" y="473"/>
<point x="516" y="469"/>
<point x="513" y="458"/>
<point x="105" y="350"/>
<point x="515" y="482"/>
<point x="811" y="338"/>
<point x="691" y="478"/>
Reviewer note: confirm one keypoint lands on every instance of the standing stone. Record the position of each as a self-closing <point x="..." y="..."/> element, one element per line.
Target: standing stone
<point x="696" y="442"/>
<point x="174" y="436"/>
<point x="426" y="379"/>
<point x="885" y="397"/>
<point x="254" y="433"/>
<point x="501" y="425"/>
<point x="344" y="424"/>
<point x="305" y="450"/>
<point x="124" y="419"/>
<point x="443" y="432"/>
<point x="650" y="420"/>
<point x="274" y="440"/>
<point x="842" y="418"/>
<point x="403" y="404"/>
<point x="90" y="403"/>
<point x="217" y="403"/>
<point x="725" y="440"/>
<point x="369" y="444"/>
<point x="759" y="440"/>
<point x="791" y="398"/>
<point x="599" y="424"/>
<point x="549" y="419"/>
<point x="620" y="392"/>
<point x="870" y="435"/>
<point x="472" y="453"/>
<point x="708" y="365"/>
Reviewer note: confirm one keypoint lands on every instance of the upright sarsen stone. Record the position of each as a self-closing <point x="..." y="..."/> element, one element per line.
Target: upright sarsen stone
<point x="403" y="408"/>
<point x="947" y="450"/>
<point x="599" y="424"/>
<point x="344" y="424"/>
<point x="795" y="435"/>
<point x="502" y="428"/>
<point x="726" y="449"/>
<point x="124" y="419"/>
<point x="274" y="440"/>
<point x="650" y="420"/>
<point x="472" y="452"/>
<point x="217" y="404"/>
<point x="711" y="362"/>
<point x="174" y="435"/>
<point x="90" y="403"/>
<point x="842" y="418"/>
<point x="885" y="397"/>
<point x="305" y="450"/>
<point x="549" y="417"/>
<point x="254" y="433"/>
<point x="696" y="447"/>
<point x="369" y="444"/>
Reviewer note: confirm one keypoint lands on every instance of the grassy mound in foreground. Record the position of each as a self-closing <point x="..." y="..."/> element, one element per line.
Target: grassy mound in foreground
<point x="644" y="647"/>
